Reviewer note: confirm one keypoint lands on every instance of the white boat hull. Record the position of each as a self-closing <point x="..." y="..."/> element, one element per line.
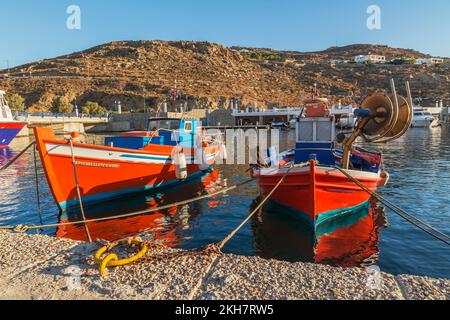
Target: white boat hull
<point x="422" y="123"/>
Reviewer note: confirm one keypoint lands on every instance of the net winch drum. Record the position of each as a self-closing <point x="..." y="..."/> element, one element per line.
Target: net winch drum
<point x="387" y="121"/>
<point x="403" y="123"/>
<point x="381" y="118"/>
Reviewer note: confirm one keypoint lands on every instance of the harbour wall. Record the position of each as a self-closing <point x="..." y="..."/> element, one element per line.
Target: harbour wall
<point x="42" y="267"/>
<point x="138" y="121"/>
<point x="60" y="124"/>
<point x="125" y="122"/>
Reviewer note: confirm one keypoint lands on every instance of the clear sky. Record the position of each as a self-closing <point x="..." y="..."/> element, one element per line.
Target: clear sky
<point x="33" y="30"/>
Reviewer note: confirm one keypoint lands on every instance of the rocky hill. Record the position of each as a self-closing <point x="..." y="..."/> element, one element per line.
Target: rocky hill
<point x="207" y="75"/>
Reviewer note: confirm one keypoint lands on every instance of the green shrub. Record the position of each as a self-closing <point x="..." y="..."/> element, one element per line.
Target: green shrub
<point x="94" y="108"/>
<point x="16" y="102"/>
<point x="257" y="55"/>
<point x="61" y="105"/>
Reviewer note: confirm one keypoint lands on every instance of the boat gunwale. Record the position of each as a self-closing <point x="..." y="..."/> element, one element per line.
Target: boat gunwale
<point x="166" y="152"/>
<point x="320" y="170"/>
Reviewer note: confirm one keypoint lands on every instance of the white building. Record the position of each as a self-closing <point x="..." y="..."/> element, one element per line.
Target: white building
<point x="429" y="61"/>
<point x="370" y="58"/>
<point x="335" y="62"/>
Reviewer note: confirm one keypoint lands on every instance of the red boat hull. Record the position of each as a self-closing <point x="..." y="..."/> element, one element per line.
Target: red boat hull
<point x="317" y="193"/>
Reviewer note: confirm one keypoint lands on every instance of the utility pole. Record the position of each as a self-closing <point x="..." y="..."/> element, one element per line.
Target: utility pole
<point x="76" y="108"/>
<point x="143" y="91"/>
<point x="7" y="66"/>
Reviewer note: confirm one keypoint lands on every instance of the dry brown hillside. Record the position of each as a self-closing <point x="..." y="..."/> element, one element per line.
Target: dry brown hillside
<point x="208" y="75"/>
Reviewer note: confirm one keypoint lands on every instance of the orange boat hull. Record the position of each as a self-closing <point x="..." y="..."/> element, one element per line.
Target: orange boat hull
<point x="106" y="172"/>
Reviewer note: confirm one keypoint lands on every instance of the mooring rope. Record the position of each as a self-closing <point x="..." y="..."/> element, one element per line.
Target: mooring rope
<point x="25" y="228"/>
<point x="6" y="166"/>
<point x="36" y="181"/>
<point x="74" y="164"/>
<point x="216" y="249"/>
<point x="233" y="233"/>
<point x="400" y="212"/>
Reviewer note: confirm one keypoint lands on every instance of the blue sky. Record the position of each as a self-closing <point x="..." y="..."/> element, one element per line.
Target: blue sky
<point x="33" y="30"/>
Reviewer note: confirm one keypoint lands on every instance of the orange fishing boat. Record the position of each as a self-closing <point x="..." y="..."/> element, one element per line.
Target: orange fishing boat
<point x="170" y="152"/>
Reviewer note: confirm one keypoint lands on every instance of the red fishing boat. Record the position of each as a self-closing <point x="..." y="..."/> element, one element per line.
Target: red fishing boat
<point x="313" y="179"/>
<point x="170" y="152"/>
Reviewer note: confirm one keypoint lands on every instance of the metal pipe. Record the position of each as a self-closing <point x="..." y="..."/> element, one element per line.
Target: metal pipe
<point x="394" y="93"/>
<point x="408" y="92"/>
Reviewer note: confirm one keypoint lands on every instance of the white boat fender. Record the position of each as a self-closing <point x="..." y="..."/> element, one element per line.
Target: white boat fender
<point x="179" y="160"/>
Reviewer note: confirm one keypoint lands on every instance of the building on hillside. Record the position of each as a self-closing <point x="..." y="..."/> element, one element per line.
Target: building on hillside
<point x="430" y="61"/>
<point x="370" y="58"/>
<point x="335" y="62"/>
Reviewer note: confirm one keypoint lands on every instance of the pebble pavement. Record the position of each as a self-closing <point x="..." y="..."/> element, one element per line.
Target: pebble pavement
<point x="40" y="267"/>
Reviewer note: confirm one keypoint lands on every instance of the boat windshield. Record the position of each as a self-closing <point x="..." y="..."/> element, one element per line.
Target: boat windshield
<point x="166" y="124"/>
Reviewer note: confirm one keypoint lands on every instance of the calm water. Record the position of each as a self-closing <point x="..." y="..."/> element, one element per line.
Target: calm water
<point x="419" y="165"/>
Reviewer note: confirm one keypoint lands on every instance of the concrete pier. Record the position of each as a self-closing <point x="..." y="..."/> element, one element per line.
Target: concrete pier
<point x="41" y="267"/>
<point x="61" y="124"/>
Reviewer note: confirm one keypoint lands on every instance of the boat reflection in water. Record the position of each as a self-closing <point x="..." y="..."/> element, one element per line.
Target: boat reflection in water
<point x="5" y="155"/>
<point x="348" y="241"/>
<point x="351" y="240"/>
<point x="162" y="226"/>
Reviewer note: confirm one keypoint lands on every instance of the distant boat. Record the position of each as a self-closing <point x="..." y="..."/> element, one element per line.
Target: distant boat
<point x="422" y="118"/>
<point x="278" y="124"/>
<point x="9" y="128"/>
<point x="131" y="163"/>
<point x="292" y="123"/>
<point x="344" y="116"/>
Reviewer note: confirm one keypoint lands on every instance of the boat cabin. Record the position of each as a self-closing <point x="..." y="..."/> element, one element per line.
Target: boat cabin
<point x="162" y="131"/>
<point x="315" y="134"/>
